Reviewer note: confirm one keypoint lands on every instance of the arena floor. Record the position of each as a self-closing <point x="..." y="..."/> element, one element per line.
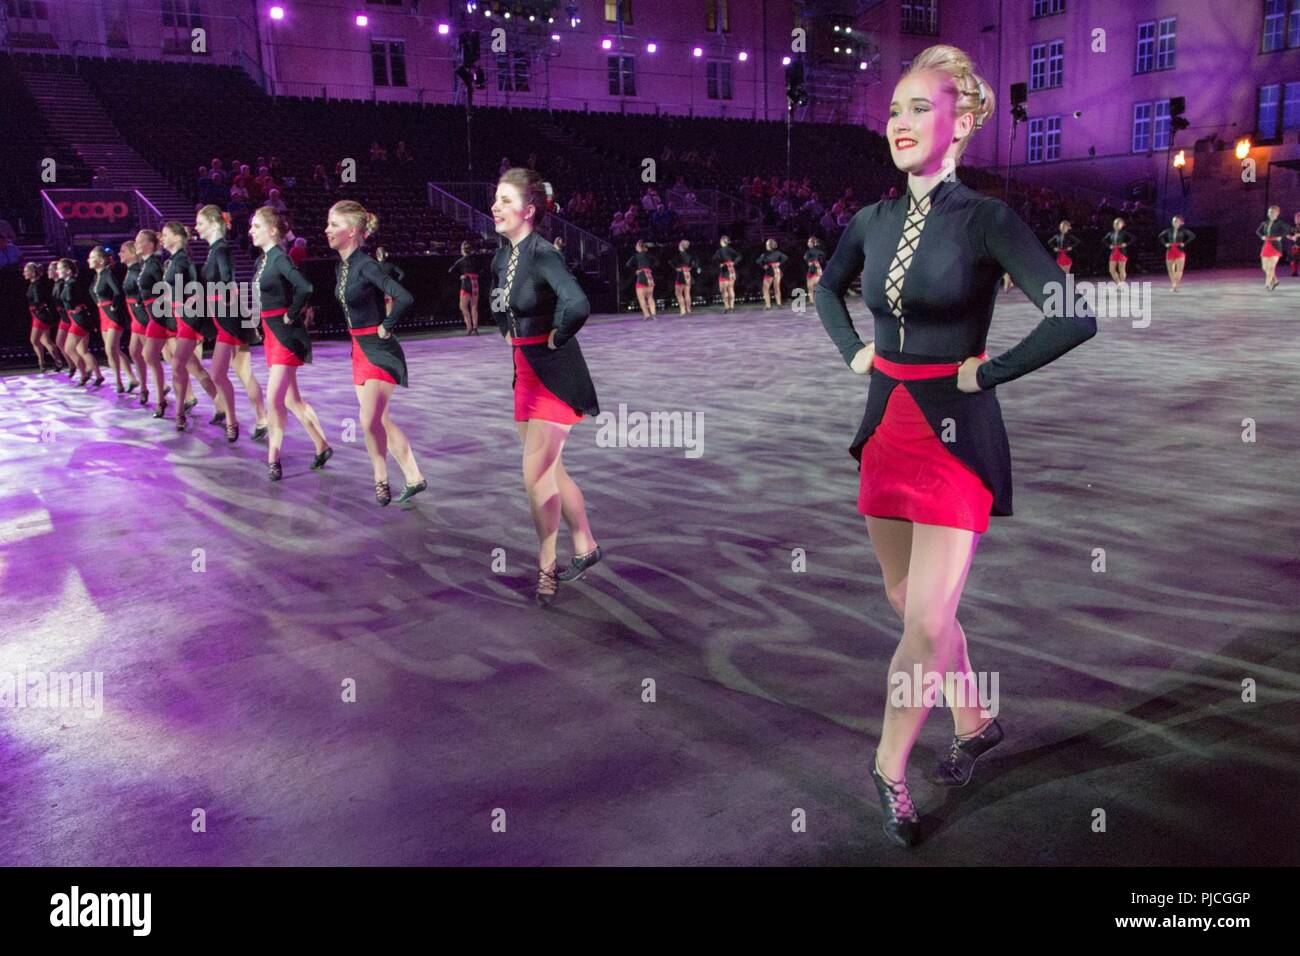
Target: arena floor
<point x="1121" y="691"/>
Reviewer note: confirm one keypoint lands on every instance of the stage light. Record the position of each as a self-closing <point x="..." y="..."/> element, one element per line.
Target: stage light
<point x="555" y="37"/>
<point x="471" y="6"/>
<point x="506" y="14"/>
<point x="606" y="44"/>
<point x="697" y="52"/>
<point x="837" y="49"/>
<point x="862" y="66"/>
<point x="443" y="29"/>
<point x="743" y="56"/>
<point x="277" y="13"/>
<point x="362" y="19"/>
<point x="1180" y="160"/>
<point x="651" y="47"/>
<point x="1243" y="148"/>
<point x="785" y="61"/>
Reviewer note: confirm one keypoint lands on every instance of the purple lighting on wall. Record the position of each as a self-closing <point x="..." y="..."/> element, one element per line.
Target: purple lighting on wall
<point x="277" y="13"/>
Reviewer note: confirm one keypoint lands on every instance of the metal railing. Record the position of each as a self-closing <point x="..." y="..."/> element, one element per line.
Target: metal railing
<point x="57" y="235"/>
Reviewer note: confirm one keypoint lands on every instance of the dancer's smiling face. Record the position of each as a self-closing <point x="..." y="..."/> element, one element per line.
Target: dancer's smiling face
<point x="509" y="212"/>
<point x="923" y="122"/>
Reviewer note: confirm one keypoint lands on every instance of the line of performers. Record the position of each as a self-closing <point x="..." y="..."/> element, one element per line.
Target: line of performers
<point x="1175" y="239"/>
<point x="685" y="266"/>
<point x="537" y="304"/>
<point x="163" y="330"/>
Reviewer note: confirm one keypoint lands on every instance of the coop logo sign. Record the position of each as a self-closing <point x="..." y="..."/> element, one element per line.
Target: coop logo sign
<point x="94" y="210"/>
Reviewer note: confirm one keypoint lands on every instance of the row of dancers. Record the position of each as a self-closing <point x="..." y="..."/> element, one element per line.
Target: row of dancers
<point x="164" y="331"/>
<point x="685" y="265"/>
<point x="1271" y="232"/>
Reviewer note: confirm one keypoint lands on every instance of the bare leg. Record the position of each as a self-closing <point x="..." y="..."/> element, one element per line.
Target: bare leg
<point x="938" y="564"/>
<point x="243" y="364"/>
<point x="574" y="509"/>
<point x="220" y="372"/>
<point x="182" y="351"/>
<point x="401" y="448"/>
<point x="153" y="357"/>
<point x="304" y="412"/>
<point x="137" y="360"/>
<point x="277" y="390"/>
<point x="543" y="442"/>
<point x="776" y="286"/>
<point x="374" y="406"/>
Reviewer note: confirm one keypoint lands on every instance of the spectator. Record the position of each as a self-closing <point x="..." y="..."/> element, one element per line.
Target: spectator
<point x="275" y="202"/>
<point x="377" y="153"/>
<point x="618" y="226"/>
<point x="9" y="253"/>
<point x="218" y="173"/>
<point x="403" y="152"/>
<point x="298" y="251"/>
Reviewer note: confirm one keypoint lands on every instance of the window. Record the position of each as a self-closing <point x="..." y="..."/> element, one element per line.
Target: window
<point x="1052" y="143"/>
<point x="1036" y="140"/>
<point x="1056" y="63"/>
<point x="719" y="77"/>
<point x="1146" y="50"/>
<point x="181" y="13"/>
<point x="1277" y="102"/>
<point x="388" y="62"/>
<point x="385" y="3"/>
<point x="1160" y="132"/>
<point x="1165" y="45"/>
<point x="1141" y="127"/>
<point x="618" y="11"/>
<point x="1045" y="8"/>
<point x="716" y="16"/>
<point x="1281" y="24"/>
<point x="512" y="72"/>
<point x="622" y="81"/>
<point x="921" y="16"/>
<point x="1046" y="64"/>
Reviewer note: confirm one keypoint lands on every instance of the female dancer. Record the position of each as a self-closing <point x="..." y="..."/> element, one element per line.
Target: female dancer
<point x="928" y="501"/>
<point x="139" y="315"/>
<point x="366" y="293"/>
<point x="465" y="265"/>
<point x="727" y="259"/>
<point x="38" y="305"/>
<point x="160" y="326"/>
<point x="1117" y="241"/>
<point x="771" y="260"/>
<point x="1269" y="230"/>
<point x="1174" y="238"/>
<point x="75" y="295"/>
<point x="684" y="263"/>
<point x="60" y="314"/>
<point x="187" y="323"/>
<point x="280" y="292"/>
<point x="1062" y="244"/>
<point x="113" y="319"/>
<point x="643" y="264"/>
<point x="814" y="262"/>
<point x="539" y="308"/>
<point x="222" y="302"/>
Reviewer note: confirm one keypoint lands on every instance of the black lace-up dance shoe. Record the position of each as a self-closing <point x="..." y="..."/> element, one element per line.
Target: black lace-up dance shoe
<point x="580" y="563"/>
<point x="901" y="823"/>
<point x="955" y="768"/>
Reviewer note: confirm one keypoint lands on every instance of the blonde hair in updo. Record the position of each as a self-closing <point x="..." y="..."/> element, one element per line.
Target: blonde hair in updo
<point x="972" y="93"/>
<point x="357" y="217"/>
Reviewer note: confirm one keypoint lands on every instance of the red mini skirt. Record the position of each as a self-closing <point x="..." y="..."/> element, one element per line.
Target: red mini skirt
<point x="1174" y="254"/>
<point x="645" y="279"/>
<point x="276" y="352"/>
<point x="908" y="474"/>
<point x="138" y="327"/>
<point x="1270" y="251"/>
<point x="532" y="398"/>
<point x="1063" y="260"/>
<point x="1117" y="256"/>
<point x="37" y="321"/>
<point x="364" y="370"/>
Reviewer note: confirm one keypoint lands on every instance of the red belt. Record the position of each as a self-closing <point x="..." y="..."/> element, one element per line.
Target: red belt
<point x="368" y="330"/>
<point x="532" y="339"/>
<point x="103" y="302"/>
<point x="271" y="313"/>
<point x="907" y="373"/>
<point x="132" y="301"/>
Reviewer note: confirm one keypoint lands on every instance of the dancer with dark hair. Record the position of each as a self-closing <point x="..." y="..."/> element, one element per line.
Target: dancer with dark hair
<point x="60" y="315"/>
<point x="727" y="258"/>
<point x="771" y="261"/>
<point x="643" y="265"/>
<point x="539" y="308"/>
<point x="685" y="264"/>
<point x="188" y="322"/>
<point x="113" y="318"/>
<point x="927" y="500"/>
<point x="38" y="307"/>
<point x="373" y="303"/>
<point x="814" y="263"/>
<point x="76" y="295"/>
<point x="467" y="266"/>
